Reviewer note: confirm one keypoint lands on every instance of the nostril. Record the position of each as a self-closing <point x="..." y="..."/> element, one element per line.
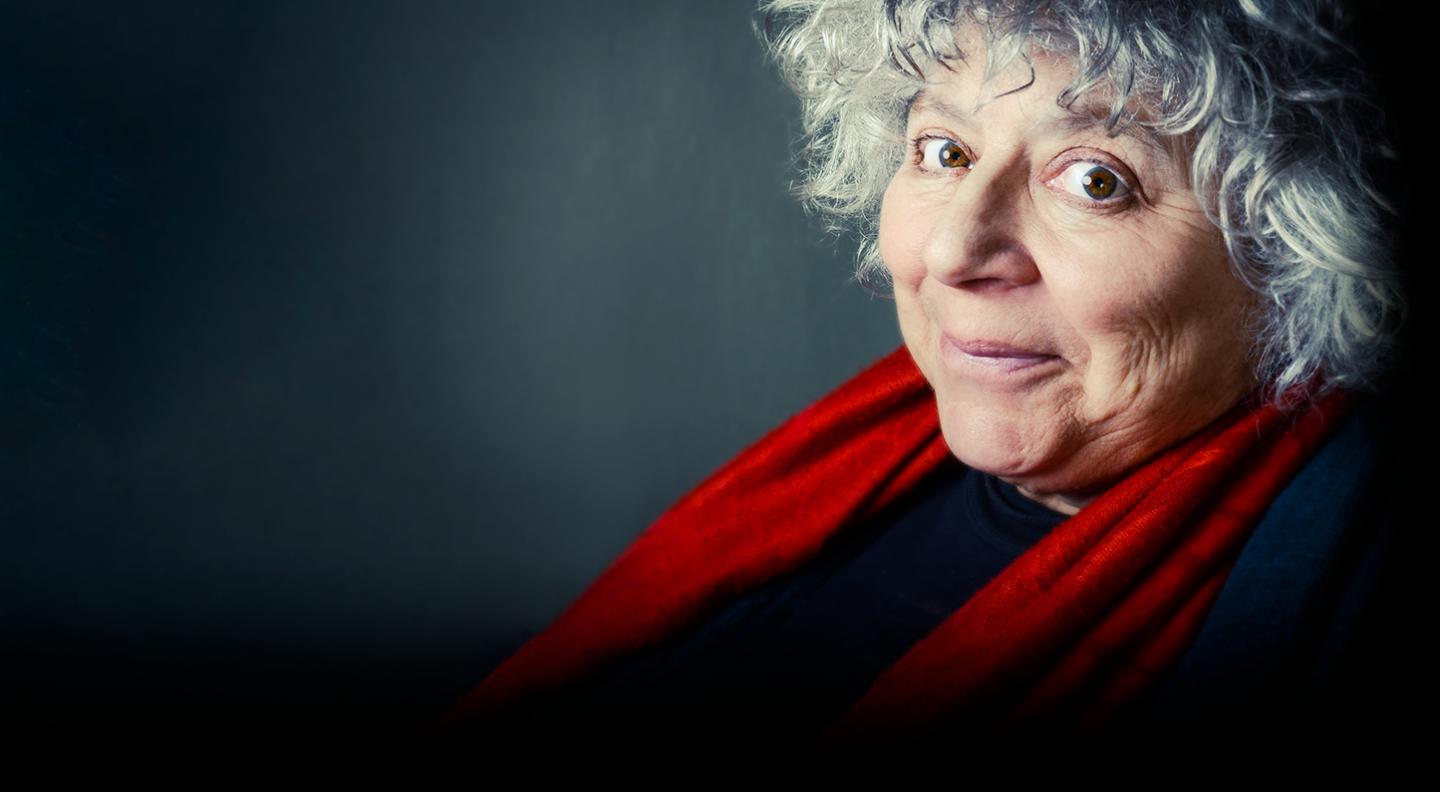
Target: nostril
<point x="985" y="285"/>
<point x="986" y="265"/>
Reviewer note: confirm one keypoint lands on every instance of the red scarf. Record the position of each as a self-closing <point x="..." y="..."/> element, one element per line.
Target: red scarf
<point x="1083" y="622"/>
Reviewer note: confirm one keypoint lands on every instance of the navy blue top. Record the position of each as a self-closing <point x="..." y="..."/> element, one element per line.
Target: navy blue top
<point x="806" y="645"/>
<point x="1312" y="639"/>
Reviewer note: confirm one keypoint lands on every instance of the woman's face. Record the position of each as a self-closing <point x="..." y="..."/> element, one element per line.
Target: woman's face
<point x="1061" y="290"/>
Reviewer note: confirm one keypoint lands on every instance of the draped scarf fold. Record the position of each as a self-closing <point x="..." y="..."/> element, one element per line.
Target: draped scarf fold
<point x="1081" y="625"/>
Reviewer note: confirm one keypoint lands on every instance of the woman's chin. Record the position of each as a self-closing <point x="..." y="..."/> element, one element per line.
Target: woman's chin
<point x="1001" y="447"/>
<point x="1030" y="454"/>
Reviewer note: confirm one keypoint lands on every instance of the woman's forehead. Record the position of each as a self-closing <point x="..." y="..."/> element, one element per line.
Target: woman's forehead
<point x="1090" y="112"/>
<point x="994" y="63"/>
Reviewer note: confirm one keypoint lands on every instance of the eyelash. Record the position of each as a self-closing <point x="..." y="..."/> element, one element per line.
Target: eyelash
<point x="917" y="158"/>
<point x="917" y="150"/>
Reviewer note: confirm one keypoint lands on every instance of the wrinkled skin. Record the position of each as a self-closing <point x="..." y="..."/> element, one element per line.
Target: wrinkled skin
<point x="1091" y="324"/>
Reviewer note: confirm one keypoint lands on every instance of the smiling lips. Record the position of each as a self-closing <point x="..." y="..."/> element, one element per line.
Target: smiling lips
<point x="990" y="358"/>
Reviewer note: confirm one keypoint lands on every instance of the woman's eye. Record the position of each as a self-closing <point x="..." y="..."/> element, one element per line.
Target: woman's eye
<point x="943" y="154"/>
<point x="1092" y="181"/>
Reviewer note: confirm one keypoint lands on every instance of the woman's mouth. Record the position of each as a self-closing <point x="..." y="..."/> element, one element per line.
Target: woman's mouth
<point x="990" y="358"/>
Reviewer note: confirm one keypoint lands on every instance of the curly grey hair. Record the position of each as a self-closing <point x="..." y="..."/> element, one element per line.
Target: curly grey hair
<point x="1271" y="98"/>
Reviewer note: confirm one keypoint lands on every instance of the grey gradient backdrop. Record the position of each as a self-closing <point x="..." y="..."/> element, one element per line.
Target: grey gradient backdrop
<point x="383" y="328"/>
<point x="346" y="342"/>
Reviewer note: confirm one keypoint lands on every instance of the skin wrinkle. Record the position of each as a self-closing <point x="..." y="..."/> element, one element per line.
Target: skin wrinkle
<point x="1323" y="321"/>
<point x="1137" y="299"/>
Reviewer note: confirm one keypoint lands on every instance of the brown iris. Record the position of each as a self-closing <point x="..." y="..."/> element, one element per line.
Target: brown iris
<point x="1099" y="182"/>
<point x="952" y="156"/>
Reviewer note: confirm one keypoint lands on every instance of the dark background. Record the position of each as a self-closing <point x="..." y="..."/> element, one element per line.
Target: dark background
<point x="344" y="343"/>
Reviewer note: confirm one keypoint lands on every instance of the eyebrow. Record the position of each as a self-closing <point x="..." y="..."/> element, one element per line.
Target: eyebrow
<point x="1088" y="117"/>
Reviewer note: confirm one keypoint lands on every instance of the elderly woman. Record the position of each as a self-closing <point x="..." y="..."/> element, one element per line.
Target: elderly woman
<point x="1117" y="475"/>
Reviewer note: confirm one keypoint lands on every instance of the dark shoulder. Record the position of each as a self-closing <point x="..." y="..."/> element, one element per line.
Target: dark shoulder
<point x="1312" y="637"/>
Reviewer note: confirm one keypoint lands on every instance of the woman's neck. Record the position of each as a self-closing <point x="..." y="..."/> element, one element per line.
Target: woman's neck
<point x="1055" y="501"/>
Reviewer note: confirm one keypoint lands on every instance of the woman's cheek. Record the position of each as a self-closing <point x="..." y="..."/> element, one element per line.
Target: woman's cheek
<point x="902" y="233"/>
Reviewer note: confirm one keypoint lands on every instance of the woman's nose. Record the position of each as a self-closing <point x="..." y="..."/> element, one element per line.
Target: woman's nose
<point x="977" y="236"/>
